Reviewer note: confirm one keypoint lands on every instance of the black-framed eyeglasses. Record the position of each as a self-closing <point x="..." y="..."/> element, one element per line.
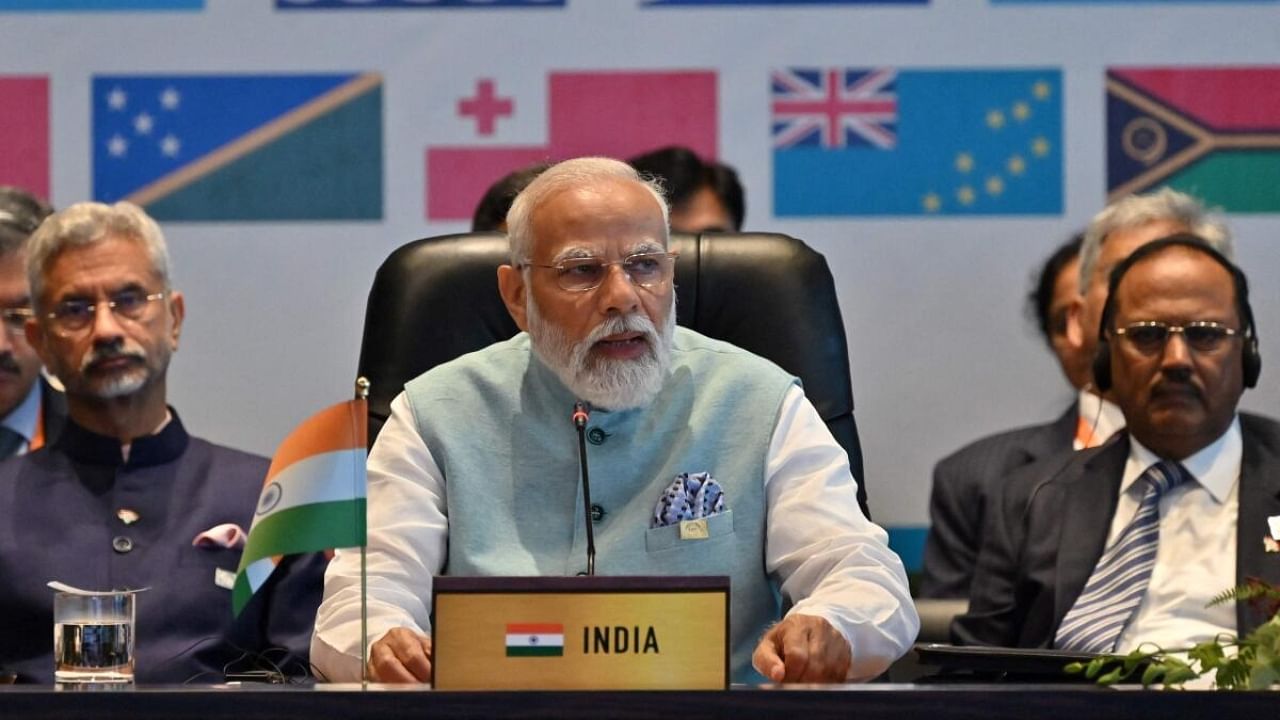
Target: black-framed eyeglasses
<point x="74" y="316"/>
<point x="1150" y="336"/>
<point x="15" y="319"/>
<point x="581" y="274"/>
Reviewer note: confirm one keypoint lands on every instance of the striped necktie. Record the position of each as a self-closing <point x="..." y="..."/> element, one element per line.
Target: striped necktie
<point x="1118" y="583"/>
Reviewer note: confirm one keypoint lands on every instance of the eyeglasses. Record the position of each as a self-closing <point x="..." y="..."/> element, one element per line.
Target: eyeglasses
<point x="15" y="320"/>
<point x="74" y="316"/>
<point x="1202" y="336"/>
<point x="582" y="274"/>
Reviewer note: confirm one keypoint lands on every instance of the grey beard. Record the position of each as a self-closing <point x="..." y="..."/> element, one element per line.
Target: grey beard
<point x="608" y="384"/>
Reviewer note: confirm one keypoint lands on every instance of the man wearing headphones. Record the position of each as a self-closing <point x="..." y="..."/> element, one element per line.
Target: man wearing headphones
<point x="1109" y="548"/>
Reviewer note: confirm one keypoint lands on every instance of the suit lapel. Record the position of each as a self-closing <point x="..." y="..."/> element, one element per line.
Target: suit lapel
<point x="1259" y="498"/>
<point x="1056" y="437"/>
<point x="1089" y="499"/>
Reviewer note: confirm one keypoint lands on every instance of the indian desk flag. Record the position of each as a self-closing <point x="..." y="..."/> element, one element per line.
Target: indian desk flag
<point x="535" y="640"/>
<point x="313" y="498"/>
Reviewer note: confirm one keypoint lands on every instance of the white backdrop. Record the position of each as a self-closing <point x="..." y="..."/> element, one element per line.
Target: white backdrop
<point x="941" y="349"/>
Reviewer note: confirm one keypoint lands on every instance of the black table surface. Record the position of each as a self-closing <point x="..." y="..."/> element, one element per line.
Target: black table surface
<point x="864" y="702"/>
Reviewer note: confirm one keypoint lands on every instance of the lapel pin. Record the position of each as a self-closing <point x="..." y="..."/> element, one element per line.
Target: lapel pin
<point x="127" y="516"/>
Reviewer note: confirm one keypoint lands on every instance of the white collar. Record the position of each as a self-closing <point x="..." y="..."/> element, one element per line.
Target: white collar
<point x="1216" y="466"/>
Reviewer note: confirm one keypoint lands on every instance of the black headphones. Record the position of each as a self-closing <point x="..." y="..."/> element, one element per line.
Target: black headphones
<point x="1250" y="357"/>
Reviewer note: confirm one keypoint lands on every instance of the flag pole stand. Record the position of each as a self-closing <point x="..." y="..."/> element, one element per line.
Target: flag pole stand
<point x="362" y="393"/>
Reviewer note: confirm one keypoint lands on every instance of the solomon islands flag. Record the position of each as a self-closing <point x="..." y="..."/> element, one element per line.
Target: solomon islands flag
<point x="884" y="141"/>
<point x="240" y="147"/>
<point x="1210" y="132"/>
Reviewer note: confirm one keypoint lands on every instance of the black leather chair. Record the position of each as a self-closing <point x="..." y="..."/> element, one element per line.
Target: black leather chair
<point x="437" y="298"/>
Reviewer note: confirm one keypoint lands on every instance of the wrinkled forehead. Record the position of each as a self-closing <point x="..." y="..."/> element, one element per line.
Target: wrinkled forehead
<point x="612" y="218"/>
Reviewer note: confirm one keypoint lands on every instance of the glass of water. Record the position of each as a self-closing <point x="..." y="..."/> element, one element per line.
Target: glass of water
<point x="93" y="637"/>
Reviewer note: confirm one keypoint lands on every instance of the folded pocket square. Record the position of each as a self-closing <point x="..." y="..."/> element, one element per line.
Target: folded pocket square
<point x="226" y="535"/>
<point x="689" y="497"/>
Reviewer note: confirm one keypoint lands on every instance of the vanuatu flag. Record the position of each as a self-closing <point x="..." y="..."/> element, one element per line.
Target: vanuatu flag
<point x="313" y="498"/>
<point x="1210" y="132"/>
<point x="240" y="147"/>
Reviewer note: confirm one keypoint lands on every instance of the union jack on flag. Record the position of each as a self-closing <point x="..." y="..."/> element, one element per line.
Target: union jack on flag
<point x="835" y="107"/>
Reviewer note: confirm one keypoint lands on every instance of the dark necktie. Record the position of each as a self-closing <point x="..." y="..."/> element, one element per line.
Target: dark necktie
<point x="10" y="442"/>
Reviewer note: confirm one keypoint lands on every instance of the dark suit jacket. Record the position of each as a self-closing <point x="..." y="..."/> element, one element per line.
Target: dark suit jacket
<point x="1051" y="524"/>
<point x="963" y="483"/>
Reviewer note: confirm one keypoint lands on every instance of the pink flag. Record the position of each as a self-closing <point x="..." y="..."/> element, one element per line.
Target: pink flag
<point x="618" y="114"/>
<point x="24" y="133"/>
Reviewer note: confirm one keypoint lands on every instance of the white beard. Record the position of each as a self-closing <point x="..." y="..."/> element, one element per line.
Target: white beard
<point x="606" y="383"/>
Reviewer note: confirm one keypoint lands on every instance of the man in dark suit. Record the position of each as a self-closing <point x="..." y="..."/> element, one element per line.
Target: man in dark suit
<point x="32" y="412"/>
<point x="961" y="481"/>
<point x="1181" y="500"/>
<point x="964" y="482"/>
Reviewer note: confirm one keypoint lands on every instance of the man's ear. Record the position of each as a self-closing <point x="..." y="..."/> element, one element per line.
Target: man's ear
<point x="178" y="310"/>
<point x="513" y="290"/>
<point x="1075" y="323"/>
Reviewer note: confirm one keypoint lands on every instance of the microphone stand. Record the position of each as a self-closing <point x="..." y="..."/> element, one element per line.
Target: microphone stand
<point x="580" y="417"/>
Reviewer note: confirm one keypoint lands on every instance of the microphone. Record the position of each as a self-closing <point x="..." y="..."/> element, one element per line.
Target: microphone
<point x="580" y="417"/>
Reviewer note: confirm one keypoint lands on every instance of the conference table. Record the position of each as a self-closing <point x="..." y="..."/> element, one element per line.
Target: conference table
<point x="801" y="702"/>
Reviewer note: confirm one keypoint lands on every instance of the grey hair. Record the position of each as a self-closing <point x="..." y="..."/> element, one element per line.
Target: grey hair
<point x="88" y="223"/>
<point x="564" y="176"/>
<point x="1137" y="210"/>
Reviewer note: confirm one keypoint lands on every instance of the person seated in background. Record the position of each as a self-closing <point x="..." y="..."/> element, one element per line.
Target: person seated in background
<point x="590" y="286"/>
<point x="491" y="212"/>
<point x="32" y="412"/>
<point x="125" y="498"/>
<point x="704" y="196"/>
<point x="964" y="482"/>
<point x="1110" y="548"/>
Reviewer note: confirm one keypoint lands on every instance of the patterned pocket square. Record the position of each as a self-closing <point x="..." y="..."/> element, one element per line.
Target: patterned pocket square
<point x="689" y="497"/>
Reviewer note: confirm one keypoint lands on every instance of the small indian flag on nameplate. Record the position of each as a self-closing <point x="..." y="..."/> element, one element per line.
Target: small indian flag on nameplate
<point x="535" y="640"/>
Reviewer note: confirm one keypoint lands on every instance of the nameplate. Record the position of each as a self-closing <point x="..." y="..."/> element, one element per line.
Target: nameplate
<point x="581" y="633"/>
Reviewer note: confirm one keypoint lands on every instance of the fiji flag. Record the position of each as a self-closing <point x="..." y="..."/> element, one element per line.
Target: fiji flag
<point x="240" y="147"/>
<point x="882" y="141"/>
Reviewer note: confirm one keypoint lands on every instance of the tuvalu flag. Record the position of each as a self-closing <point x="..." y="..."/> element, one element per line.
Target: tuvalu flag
<point x="889" y="141"/>
<point x="535" y="640"/>
<point x="313" y="498"/>
<point x="240" y="147"/>
<point x="1210" y="132"/>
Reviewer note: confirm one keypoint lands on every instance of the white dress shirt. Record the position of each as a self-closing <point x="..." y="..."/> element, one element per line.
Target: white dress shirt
<point x="831" y="559"/>
<point x="1196" y="556"/>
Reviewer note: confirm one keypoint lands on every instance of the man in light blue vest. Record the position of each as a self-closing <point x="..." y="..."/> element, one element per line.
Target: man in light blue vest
<point x="681" y="419"/>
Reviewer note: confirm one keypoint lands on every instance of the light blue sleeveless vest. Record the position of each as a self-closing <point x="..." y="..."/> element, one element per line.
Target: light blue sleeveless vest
<point x="498" y="423"/>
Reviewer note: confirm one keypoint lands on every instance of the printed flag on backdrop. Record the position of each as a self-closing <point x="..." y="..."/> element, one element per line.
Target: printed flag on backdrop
<point x="886" y="141"/>
<point x="240" y="147"/>
<point x="589" y="113"/>
<point x="413" y="4"/>
<point x="655" y="3"/>
<point x="1210" y="132"/>
<point x="535" y="640"/>
<point x="99" y="5"/>
<point x="24" y="133"/>
<point x="313" y="498"/>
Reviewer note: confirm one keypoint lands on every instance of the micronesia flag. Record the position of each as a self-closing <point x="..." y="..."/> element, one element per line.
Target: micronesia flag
<point x="240" y="147"/>
<point x="884" y="141"/>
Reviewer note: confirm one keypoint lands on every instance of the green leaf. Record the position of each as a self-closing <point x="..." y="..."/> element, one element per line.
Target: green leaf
<point x="1074" y="668"/>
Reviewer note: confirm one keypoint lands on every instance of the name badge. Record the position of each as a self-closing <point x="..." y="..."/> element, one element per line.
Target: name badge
<point x="694" y="529"/>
